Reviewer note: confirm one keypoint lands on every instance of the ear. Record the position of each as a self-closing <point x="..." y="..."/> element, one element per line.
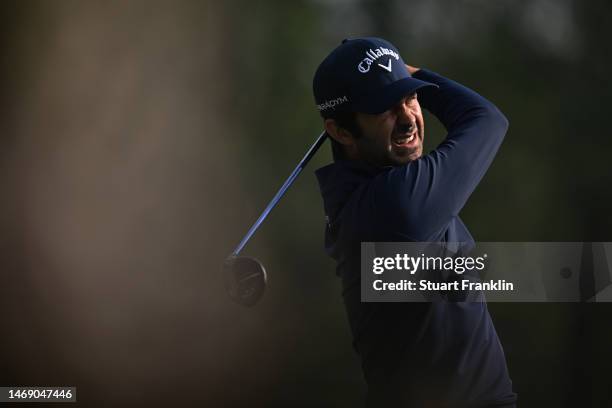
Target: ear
<point x="339" y="134"/>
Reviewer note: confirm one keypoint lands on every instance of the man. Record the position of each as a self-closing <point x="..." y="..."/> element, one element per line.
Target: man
<point x="381" y="188"/>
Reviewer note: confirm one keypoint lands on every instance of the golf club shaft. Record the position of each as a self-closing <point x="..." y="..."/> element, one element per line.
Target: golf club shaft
<point x="311" y="152"/>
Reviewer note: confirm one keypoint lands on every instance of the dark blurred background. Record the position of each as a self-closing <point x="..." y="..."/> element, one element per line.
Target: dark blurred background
<point x="140" y="139"/>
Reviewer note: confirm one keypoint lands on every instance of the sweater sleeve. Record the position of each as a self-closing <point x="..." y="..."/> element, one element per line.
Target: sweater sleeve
<point x="417" y="200"/>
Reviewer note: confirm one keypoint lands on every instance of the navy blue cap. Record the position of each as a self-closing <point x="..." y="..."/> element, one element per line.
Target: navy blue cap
<point x="362" y="75"/>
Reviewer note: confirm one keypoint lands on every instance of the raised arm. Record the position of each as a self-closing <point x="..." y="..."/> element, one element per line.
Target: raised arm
<point x="417" y="200"/>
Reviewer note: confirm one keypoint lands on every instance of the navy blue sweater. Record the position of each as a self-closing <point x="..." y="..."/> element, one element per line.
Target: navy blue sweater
<point x="433" y="354"/>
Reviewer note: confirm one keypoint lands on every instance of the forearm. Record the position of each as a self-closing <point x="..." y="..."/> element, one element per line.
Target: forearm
<point x="427" y="192"/>
<point x="454" y="104"/>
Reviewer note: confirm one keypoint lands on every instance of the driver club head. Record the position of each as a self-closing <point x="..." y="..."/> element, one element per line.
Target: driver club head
<point x="245" y="279"/>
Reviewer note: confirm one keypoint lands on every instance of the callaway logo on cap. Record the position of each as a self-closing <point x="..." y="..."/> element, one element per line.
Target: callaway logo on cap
<point x="362" y="75"/>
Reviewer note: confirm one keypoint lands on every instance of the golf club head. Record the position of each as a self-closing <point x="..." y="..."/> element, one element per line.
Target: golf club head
<point x="245" y="279"/>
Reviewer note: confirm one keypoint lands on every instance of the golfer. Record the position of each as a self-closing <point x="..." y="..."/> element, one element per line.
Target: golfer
<point x="381" y="188"/>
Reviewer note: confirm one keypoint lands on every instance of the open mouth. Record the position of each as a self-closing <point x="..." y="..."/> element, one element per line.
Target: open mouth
<point x="406" y="141"/>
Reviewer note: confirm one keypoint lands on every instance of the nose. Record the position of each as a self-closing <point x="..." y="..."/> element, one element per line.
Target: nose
<point x="406" y="119"/>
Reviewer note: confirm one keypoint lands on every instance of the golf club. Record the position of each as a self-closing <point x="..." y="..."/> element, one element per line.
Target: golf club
<point x="245" y="277"/>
